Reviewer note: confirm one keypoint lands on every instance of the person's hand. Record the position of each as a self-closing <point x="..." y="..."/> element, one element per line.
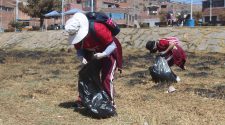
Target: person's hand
<point x="162" y="53"/>
<point x="83" y="60"/>
<point x="100" y="55"/>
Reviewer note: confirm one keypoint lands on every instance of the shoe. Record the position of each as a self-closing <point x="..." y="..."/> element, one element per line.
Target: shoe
<point x="78" y="104"/>
<point x="113" y="104"/>
<point x="178" y="79"/>
<point x="171" y="89"/>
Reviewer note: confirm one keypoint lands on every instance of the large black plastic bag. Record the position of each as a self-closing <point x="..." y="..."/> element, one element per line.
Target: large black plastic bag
<point x="95" y="100"/>
<point x="161" y="72"/>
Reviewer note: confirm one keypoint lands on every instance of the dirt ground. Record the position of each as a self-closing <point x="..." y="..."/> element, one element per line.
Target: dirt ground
<point x="39" y="88"/>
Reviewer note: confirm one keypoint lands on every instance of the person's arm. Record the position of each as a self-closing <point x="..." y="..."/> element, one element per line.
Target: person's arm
<point x="80" y="53"/>
<point x="171" y="45"/>
<point x="105" y="37"/>
<point x="109" y="49"/>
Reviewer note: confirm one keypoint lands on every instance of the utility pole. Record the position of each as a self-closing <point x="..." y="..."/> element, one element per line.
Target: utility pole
<point x="210" y="10"/>
<point x="191" y="9"/>
<point x="17" y="10"/>
<point x="1" y="16"/>
<point x="62" y="14"/>
<point x="17" y="13"/>
<point x="92" y="5"/>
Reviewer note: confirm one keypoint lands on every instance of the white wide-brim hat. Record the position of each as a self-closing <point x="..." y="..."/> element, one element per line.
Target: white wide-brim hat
<point x="77" y="27"/>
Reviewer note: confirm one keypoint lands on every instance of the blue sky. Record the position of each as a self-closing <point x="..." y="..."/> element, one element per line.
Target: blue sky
<point x="189" y="1"/>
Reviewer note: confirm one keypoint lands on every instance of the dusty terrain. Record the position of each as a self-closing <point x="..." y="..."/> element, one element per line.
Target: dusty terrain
<point x="40" y="87"/>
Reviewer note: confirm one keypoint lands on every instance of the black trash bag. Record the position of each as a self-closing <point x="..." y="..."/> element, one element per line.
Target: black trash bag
<point x="161" y="72"/>
<point x="93" y="97"/>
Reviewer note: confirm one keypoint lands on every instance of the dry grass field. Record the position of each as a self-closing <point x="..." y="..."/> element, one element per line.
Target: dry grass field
<point x="39" y="88"/>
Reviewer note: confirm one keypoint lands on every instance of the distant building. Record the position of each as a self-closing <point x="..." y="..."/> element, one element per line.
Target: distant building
<point x="217" y="10"/>
<point x="8" y="14"/>
<point x="119" y="10"/>
<point x="70" y="4"/>
<point x="158" y="9"/>
<point x="127" y="13"/>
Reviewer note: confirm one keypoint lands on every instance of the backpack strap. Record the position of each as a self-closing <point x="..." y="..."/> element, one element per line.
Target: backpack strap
<point x="92" y="29"/>
<point x="91" y="26"/>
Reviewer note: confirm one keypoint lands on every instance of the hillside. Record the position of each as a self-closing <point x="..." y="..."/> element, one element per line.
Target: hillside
<point x="199" y="39"/>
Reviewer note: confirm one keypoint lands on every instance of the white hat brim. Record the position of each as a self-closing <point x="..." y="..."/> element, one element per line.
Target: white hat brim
<point x="83" y="30"/>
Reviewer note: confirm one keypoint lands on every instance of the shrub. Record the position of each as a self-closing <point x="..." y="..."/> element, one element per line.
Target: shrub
<point x="16" y="24"/>
<point x="9" y="30"/>
<point x="36" y="28"/>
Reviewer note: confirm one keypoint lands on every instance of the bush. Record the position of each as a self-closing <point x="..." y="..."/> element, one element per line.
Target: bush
<point x="9" y="30"/>
<point x="145" y="25"/>
<point x="16" y="24"/>
<point x="36" y="28"/>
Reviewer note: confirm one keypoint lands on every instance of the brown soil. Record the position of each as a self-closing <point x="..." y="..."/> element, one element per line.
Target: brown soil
<point x="39" y="88"/>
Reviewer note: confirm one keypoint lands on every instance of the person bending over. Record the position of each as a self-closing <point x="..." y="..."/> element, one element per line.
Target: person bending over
<point x="171" y="49"/>
<point x="99" y="45"/>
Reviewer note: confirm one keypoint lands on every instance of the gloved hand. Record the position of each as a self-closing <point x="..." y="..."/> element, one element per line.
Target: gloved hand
<point x="100" y="55"/>
<point x="82" y="60"/>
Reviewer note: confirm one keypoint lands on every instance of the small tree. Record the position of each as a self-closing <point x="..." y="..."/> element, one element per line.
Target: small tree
<point x="38" y="8"/>
<point x="17" y="25"/>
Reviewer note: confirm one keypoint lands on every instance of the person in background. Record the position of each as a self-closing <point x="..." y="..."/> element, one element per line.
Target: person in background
<point x="169" y="19"/>
<point x="180" y="20"/>
<point x="169" y="48"/>
<point x="89" y="47"/>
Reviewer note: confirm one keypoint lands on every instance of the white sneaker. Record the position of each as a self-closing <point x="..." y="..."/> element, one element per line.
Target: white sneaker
<point x="171" y="89"/>
<point x="178" y="79"/>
